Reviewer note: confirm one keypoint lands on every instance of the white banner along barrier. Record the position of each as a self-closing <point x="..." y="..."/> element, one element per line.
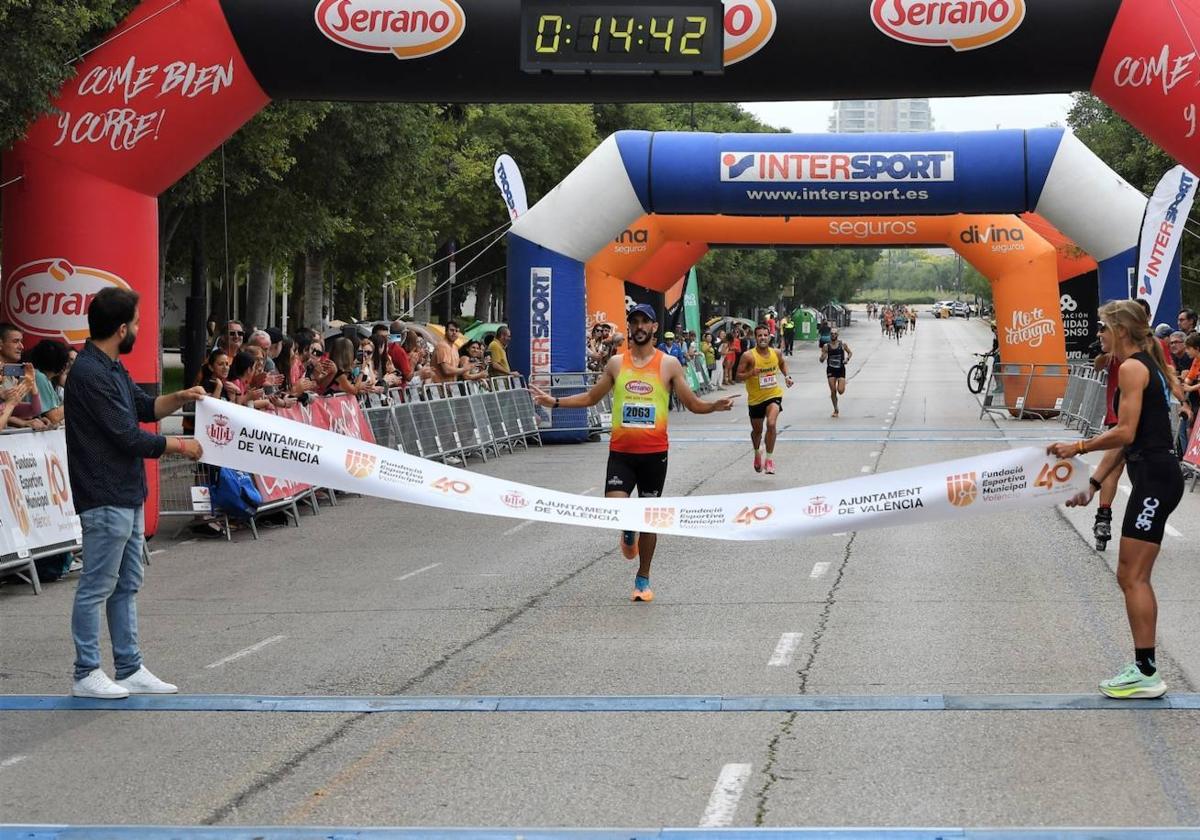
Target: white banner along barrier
<point x="1016" y="479"/>
<point x="37" y="511"/>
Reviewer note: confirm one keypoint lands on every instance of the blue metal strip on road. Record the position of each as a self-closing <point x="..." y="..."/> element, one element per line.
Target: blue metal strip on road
<point x="597" y="703"/>
<point x="147" y="832"/>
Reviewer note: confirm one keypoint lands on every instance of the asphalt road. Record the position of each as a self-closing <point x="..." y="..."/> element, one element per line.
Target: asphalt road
<point x="375" y="598"/>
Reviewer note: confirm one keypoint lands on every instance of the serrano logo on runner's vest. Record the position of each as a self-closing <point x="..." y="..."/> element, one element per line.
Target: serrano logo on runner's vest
<point x="639" y="387"/>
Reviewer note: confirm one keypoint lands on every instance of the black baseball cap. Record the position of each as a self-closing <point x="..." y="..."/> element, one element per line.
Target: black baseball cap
<point x="276" y="335"/>
<point x="643" y="309"/>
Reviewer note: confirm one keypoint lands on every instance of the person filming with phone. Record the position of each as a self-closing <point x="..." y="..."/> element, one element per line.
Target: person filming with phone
<point x="26" y="414"/>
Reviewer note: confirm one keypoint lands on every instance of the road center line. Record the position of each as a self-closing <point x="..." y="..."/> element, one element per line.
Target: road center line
<point x="418" y="571"/>
<point x="866" y="469"/>
<point x="785" y="650"/>
<point x="1172" y="531"/>
<point x="723" y="803"/>
<point x="12" y="760"/>
<point x="246" y="651"/>
<point x="819" y="569"/>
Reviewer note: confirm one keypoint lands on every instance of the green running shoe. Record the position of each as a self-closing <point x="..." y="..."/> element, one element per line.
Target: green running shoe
<point x="1132" y="684"/>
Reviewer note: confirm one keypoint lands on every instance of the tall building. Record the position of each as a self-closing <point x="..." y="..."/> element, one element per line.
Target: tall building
<point x="862" y="116"/>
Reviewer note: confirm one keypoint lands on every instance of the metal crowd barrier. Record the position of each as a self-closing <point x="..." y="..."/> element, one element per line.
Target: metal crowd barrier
<point x="1011" y="391"/>
<point x="456" y="420"/>
<point x="183" y="493"/>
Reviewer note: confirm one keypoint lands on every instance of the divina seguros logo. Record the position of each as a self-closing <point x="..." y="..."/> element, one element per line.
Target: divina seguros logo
<point x="50" y="298"/>
<point x="959" y="24"/>
<point x="405" y="28"/>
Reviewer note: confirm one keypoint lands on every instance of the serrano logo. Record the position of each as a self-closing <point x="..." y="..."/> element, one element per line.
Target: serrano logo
<point x="959" y="24"/>
<point x="50" y="298"/>
<point x="663" y="517"/>
<point x="961" y="489"/>
<point x="360" y="464"/>
<point x="749" y="25"/>
<point x="838" y="167"/>
<point x="405" y="28"/>
<point x="219" y="431"/>
<point x="639" y="387"/>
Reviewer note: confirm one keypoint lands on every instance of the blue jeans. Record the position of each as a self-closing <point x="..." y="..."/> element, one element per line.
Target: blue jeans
<point x="112" y="574"/>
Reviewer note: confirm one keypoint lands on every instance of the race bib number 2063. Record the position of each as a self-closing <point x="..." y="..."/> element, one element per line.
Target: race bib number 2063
<point x="637" y="415"/>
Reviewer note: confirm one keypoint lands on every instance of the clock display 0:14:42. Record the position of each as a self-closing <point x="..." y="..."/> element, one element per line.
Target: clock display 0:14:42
<point x="662" y="36"/>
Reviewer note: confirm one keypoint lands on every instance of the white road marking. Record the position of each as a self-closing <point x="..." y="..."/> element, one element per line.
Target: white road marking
<point x="418" y="571"/>
<point x="727" y="792"/>
<point x="819" y="569"/>
<point x="873" y="455"/>
<point x="785" y="650"/>
<point x="12" y="760"/>
<point x="866" y="469"/>
<point x="1172" y="531"/>
<point x="1125" y="488"/>
<point x="156" y="552"/>
<point x="246" y="652"/>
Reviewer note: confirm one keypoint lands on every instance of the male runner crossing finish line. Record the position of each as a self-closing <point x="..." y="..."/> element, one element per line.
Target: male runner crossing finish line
<point x="641" y="380"/>
<point x="760" y="368"/>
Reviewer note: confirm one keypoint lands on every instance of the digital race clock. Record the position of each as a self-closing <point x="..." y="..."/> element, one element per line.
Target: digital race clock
<point x="684" y="36"/>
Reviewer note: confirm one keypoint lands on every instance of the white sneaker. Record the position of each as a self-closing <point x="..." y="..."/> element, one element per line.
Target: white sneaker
<point x="142" y="681"/>
<point x="98" y="685"/>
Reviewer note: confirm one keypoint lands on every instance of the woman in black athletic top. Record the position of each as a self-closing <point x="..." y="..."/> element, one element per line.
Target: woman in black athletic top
<point x="1142" y="441"/>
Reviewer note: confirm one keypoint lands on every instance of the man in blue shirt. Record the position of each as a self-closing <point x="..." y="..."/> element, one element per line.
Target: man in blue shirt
<point x="105" y="452"/>
<point x="671" y="348"/>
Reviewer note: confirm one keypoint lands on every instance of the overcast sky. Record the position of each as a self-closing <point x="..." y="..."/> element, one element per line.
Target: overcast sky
<point x="972" y="113"/>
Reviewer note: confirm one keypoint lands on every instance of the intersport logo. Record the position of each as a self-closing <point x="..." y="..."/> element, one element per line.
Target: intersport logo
<point x="959" y="24"/>
<point x="405" y="28"/>
<point x="50" y="298"/>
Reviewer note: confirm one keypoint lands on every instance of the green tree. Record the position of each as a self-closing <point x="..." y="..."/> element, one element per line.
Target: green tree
<point x="39" y="42"/>
<point x="1140" y="162"/>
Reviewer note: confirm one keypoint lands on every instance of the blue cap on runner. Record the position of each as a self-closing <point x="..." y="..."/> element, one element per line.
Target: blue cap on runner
<point x="643" y="309"/>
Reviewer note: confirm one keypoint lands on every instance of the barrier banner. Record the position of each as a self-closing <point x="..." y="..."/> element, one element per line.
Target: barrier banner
<point x="1192" y="456"/>
<point x="37" y="510"/>
<point x="239" y="437"/>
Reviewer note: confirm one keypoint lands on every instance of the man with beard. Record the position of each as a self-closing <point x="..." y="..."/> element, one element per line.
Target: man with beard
<point x="640" y="379"/>
<point x="105" y="452"/>
<point x="760" y="370"/>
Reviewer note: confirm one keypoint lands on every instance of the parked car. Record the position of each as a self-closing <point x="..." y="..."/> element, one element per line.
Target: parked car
<point x="941" y="309"/>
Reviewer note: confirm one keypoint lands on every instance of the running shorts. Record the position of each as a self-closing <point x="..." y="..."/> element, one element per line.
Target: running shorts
<point x="645" y="472"/>
<point x="832" y="373"/>
<point x="1157" y="491"/>
<point x="759" y="411"/>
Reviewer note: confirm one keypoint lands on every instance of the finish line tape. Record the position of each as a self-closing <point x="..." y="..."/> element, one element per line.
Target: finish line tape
<point x="1016" y="479"/>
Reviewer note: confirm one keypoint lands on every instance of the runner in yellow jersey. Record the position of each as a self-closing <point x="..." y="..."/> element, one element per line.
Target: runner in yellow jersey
<point x="640" y="380"/>
<point x="761" y="369"/>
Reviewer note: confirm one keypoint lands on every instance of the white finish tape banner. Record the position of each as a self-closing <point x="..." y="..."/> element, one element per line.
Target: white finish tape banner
<point x="256" y="442"/>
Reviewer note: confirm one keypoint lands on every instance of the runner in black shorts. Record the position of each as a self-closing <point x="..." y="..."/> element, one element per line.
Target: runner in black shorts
<point x="1142" y="439"/>
<point x="627" y="472"/>
<point x="641" y="381"/>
